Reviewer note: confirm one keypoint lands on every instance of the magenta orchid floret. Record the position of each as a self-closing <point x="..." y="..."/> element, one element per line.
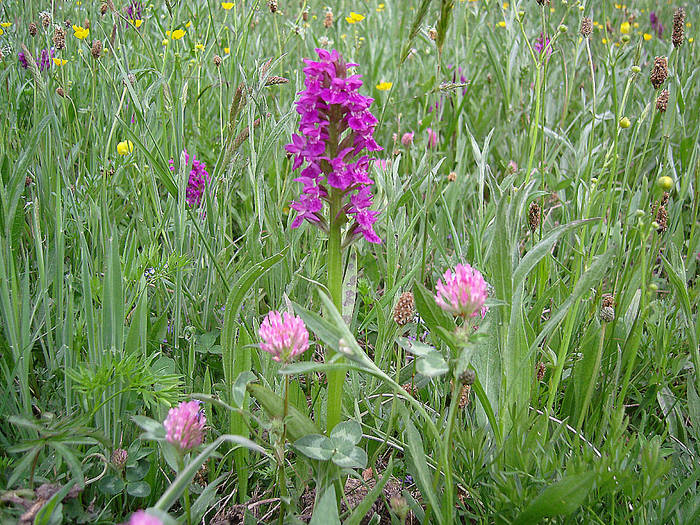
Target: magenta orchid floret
<point x="198" y="179"/>
<point x="283" y="336"/>
<point x="336" y="127"/>
<point x="184" y="426"/>
<point x="140" y="517"/>
<point x="462" y="292"/>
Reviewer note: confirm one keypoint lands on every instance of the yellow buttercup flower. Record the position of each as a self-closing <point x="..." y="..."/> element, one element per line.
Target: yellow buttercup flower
<point x="136" y="23"/>
<point x="59" y="61"/>
<point x="5" y="24"/>
<point x="380" y="8"/>
<point x="125" y="147"/>
<point x="354" y="18"/>
<point x="177" y="34"/>
<point x="502" y="23"/>
<point x="625" y="28"/>
<point x="80" y="33"/>
<point x="506" y="5"/>
<point x="188" y="24"/>
<point x="647" y="36"/>
<point x="199" y="46"/>
<point x="384" y="86"/>
<point x="227" y="50"/>
<point x="227" y="5"/>
<point x="1" y="31"/>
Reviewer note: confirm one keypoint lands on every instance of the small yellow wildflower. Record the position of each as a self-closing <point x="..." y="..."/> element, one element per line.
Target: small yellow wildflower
<point x="384" y="86"/>
<point x="506" y="5"/>
<point x="605" y="41"/>
<point x="625" y="28"/>
<point x="691" y="40"/>
<point x="188" y="24"/>
<point x="199" y="46"/>
<point x="80" y="33"/>
<point x="1" y="31"/>
<point x="647" y="36"/>
<point x="227" y="50"/>
<point x="227" y="5"/>
<point x="5" y="24"/>
<point x="125" y="147"/>
<point x="177" y="34"/>
<point x="354" y="18"/>
<point x="136" y="23"/>
<point x="380" y="8"/>
<point x="636" y="25"/>
<point x="502" y="23"/>
<point x="618" y="6"/>
<point x="59" y="61"/>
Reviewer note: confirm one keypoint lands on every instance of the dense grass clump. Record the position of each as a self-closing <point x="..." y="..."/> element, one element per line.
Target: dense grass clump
<point x="410" y="261"/>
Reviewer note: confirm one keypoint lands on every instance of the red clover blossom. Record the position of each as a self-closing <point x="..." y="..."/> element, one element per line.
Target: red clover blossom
<point x="463" y="292"/>
<point x="336" y="126"/>
<point x="284" y="336"/>
<point x="140" y="517"/>
<point x="184" y="426"/>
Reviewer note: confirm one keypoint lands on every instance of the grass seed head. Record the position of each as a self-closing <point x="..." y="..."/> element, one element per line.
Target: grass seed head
<point x="586" y="27"/>
<point x="217" y="60"/>
<point x="32" y="29"/>
<point x="662" y="101"/>
<point x="659" y="72"/>
<point x="534" y="215"/>
<point x="59" y="38"/>
<point x="678" y="27"/>
<point x="328" y="20"/>
<point x="405" y="309"/>
<point x="96" y="49"/>
<point x="272" y="5"/>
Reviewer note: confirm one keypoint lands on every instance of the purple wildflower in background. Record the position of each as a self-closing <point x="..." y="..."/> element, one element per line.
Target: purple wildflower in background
<point x="542" y="43"/>
<point x="198" y="179"/>
<point x="336" y="126"/>
<point x="133" y="10"/>
<point x="23" y="59"/>
<point x="184" y="426"/>
<point x="46" y="56"/>
<point x="656" y="24"/>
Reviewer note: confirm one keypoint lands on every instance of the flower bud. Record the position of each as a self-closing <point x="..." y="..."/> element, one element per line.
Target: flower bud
<point x="625" y="123"/>
<point x="563" y="28"/>
<point x="664" y="183"/>
<point x="636" y="69"/>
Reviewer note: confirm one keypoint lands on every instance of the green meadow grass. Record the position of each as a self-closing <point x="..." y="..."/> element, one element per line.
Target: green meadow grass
<point x="118" y="299"/>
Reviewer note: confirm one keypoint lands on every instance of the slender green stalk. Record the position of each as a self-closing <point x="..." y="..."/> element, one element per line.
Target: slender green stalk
<point x="280" y="452"/>
<point x="592" y="381"/>
<point x="336" y="378"/>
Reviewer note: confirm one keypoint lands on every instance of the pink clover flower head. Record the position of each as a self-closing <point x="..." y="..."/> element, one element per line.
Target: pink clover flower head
<point x="184" y="426"/>
<point x="336" y="126"/>
<point x="140" y="517"/>
<point x="197" y="181"/>
<point x="407" y="139"/>
<point x="432" y="138"/>
<point x="463" y="292"/>
<point x="283" y="335"/>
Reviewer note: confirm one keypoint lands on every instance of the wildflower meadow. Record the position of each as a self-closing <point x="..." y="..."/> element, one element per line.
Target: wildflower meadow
<point x="349" y="261"/>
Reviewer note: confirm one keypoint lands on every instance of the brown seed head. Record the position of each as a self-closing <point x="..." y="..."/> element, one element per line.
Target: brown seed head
<point x="659" y="72"/>
<point x="60" y="92"/>
<point x="467" y="377"/>
<point x="86" y="24"/>
<point x="59" y="38"/>
<point x="662" y="219"/>
<point x="103" y="9"/>
<point x="119" y="457"/>
<point x="540" y="370"/>
<point x="272" y="4"/>
<point x="305" y="15"/>
<point x="534" y="215"/>
<point x="608" y="300"/>
<point x="432" y="33"/>
<point x="217" y="60"/>
<point x="96" y="49"/>
<point x="45" y="20"/>
<point x="328" y="20"/>
<point x="32" y="29"/>
<point x="678" y="27"/>
<point x="67" y="23"/>
<point x="586" y="27"/>
<point x="464" y="395"/>
<point x="607" y="314"/>
<point x="405" y="309"/>
<point x="273" y="81"/>
<point x="662" y="100"/>
<point x="452" y="176"/>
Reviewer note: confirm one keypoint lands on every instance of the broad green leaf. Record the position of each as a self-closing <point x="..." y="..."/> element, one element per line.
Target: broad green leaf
<point x="138" y="489"/>
<point x="111" y="485"/>
<point x="315" y="446"/>
<point x="326" y="510"/>
<point x="432" y="365"/>
<point x="354" y="457"/>
<point x="347" y="431"/>
<point x="238" y="389"/>
<point x="298" y="424"/>
<point x="559" y="499"/>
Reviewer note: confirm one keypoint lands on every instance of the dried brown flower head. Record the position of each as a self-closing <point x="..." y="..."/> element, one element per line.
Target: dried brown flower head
<point x="272" y="4"/>
<point x="328" y="20"/>
<point x="59" y="38"/>
<point x="662" y="100"/>
<point x="659" y="72"/>
<point x="45" y="20"/>
<point x="432" y="33"/>
<point x="608" y="300"/>
<point x="96" y="49"/>
<point x="678" y="27"/>
<point x="607" y="314"/>
<point x="405" y="309"/>
<point x="273" y="81"/>
<point x="540" y="370"/>
<point x="217" y="60"/>
<point x="451" y="176"/>
<point x="464" y="395"/>
<point x="32" y="29"/>
<point x="534" y="215"/>
<point x="586" y="27"/>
